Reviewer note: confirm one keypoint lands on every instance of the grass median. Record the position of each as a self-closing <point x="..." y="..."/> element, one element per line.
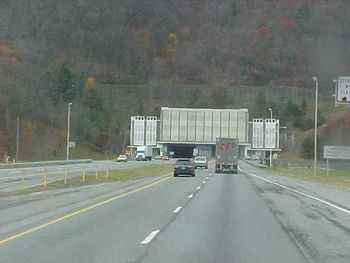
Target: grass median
<point x="102" y="176"/>
<point x="335" y="177"/>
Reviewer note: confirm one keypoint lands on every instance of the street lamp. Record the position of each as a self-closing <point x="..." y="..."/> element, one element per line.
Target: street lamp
<point x="315" y="149"/>
<point x="69" y="104"/>
<point x="270" y="148"/>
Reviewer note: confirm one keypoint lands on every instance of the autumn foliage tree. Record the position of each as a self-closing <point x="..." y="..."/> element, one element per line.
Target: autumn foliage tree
<point x="107" y="56"/>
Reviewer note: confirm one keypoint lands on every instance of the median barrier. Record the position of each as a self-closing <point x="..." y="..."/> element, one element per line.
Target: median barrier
<point x="38" y="164"/>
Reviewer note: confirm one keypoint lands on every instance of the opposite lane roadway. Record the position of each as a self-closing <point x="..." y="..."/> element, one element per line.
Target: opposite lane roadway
<point x="10" y="179"/>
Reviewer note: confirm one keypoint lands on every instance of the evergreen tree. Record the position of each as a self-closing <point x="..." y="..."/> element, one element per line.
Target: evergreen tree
<point x="304" y="106"/>
<point x="292" y="109"/>
<point x="260" y="106"/>
<point x="65" y="84"/>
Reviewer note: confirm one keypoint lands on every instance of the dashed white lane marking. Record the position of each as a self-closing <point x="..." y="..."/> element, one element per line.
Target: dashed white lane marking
<point x="150" y="237"/>
<point x="297" y="192"/>
<point x="207" y="177"/>
<point x="177" y="210"/>
<point x="198" y="187"/>
<point x="14" y="172"/>
<point x="190" y="196"/>
<point x="204" y="182"/>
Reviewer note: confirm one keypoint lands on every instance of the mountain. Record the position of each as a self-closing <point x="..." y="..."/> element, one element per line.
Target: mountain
<point x="114" y="58"/>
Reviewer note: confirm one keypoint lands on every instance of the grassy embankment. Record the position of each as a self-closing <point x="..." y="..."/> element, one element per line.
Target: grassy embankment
<point x="335" y="177"/>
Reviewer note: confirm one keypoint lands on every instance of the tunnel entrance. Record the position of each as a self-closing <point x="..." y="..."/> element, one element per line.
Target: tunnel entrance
<point x="181" y="150"/>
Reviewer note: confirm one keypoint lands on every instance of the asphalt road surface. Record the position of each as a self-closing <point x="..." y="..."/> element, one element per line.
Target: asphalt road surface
<point x="10" y="179"/>
<point x="249" y="217"/>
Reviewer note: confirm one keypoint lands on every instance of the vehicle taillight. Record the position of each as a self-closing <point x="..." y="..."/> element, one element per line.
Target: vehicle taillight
<point x="176" y="167"/>
<point x="190" y="167"/>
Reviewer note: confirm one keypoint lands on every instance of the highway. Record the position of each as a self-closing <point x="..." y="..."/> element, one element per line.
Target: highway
<point x="10" y="179"/>
<point x="250" y="217"/>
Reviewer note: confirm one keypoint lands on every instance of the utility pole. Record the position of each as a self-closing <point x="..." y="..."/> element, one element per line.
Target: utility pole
<point x="315" y="148"/>
<point x="270" y="149"/>
<point x="17" y="139"/>
<point x="69" y="104"/>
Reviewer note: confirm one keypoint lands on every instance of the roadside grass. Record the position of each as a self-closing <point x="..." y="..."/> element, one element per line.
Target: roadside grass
<point x="102" y="176"/>
<point x="87" y="151"/>
<point x="335" y="177"/>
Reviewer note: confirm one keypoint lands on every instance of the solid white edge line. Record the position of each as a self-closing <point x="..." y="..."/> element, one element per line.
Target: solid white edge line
<point x="297" y="192"/>
<point x="150" y="237"/>
<point x="177" y="210"/>
<point x="190" y="196"/>
<point x="198" y="187"/>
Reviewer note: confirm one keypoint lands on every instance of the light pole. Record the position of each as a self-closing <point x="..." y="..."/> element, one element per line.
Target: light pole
<point x="315" y="149"/>
<point x="271" y="137"/>
<point x="69" y="104"/>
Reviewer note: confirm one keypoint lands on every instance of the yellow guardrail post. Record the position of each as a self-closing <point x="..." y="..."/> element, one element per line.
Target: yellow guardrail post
<point x="22" y="180"/>
<point x="83" y="176"/>
<point x="45" y="178"/>
<point x="96" y="174"/>
<point x="65" y="177"/>
<point x="107" y="173"/>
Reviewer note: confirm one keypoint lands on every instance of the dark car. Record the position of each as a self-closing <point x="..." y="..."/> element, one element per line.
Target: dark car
<point x="184" y="166"/>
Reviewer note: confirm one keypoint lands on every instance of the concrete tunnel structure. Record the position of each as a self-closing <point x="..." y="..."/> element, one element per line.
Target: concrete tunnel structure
<point x="181" y="132"/>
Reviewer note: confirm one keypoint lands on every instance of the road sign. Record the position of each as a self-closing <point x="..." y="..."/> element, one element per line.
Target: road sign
<point x="265" y="134"/>
<point x="342" y="90"/>
<point x="71" y="144"/>
<point x="258" y="134"/>
<point x="151" y="130"/>
<point x="270" y="133"/>
<point x="137" y="130"/>
<point x="336" y="152"/>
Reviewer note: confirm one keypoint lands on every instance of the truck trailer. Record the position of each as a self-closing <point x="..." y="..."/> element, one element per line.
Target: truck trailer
<point x="226" y="155"/>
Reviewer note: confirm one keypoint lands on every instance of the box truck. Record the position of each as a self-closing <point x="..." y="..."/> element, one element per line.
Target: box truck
<point x="226" y="155"/>
<point x="144" y="153"/>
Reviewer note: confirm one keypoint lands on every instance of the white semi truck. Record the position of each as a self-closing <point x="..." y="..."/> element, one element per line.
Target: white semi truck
<point x="144" y="153"/>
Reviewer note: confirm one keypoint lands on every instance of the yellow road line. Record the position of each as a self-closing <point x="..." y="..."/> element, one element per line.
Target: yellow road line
<point x="59" y="219"/>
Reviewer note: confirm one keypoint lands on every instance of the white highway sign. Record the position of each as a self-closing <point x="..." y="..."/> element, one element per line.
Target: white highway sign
<point x="343" y="90"/>
<point x="258" y="134"/>
<point x="270" y="133"/>
<point x="336" y="152"/>
<point x="265" y="134"/>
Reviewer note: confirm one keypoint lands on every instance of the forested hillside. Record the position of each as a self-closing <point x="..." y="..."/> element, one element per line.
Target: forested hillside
<point x="116" y="58"/>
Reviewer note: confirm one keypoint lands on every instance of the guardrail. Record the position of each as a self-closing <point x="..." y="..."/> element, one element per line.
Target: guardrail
<point x="38" y="164"/>
<point x="47" y="177"/>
